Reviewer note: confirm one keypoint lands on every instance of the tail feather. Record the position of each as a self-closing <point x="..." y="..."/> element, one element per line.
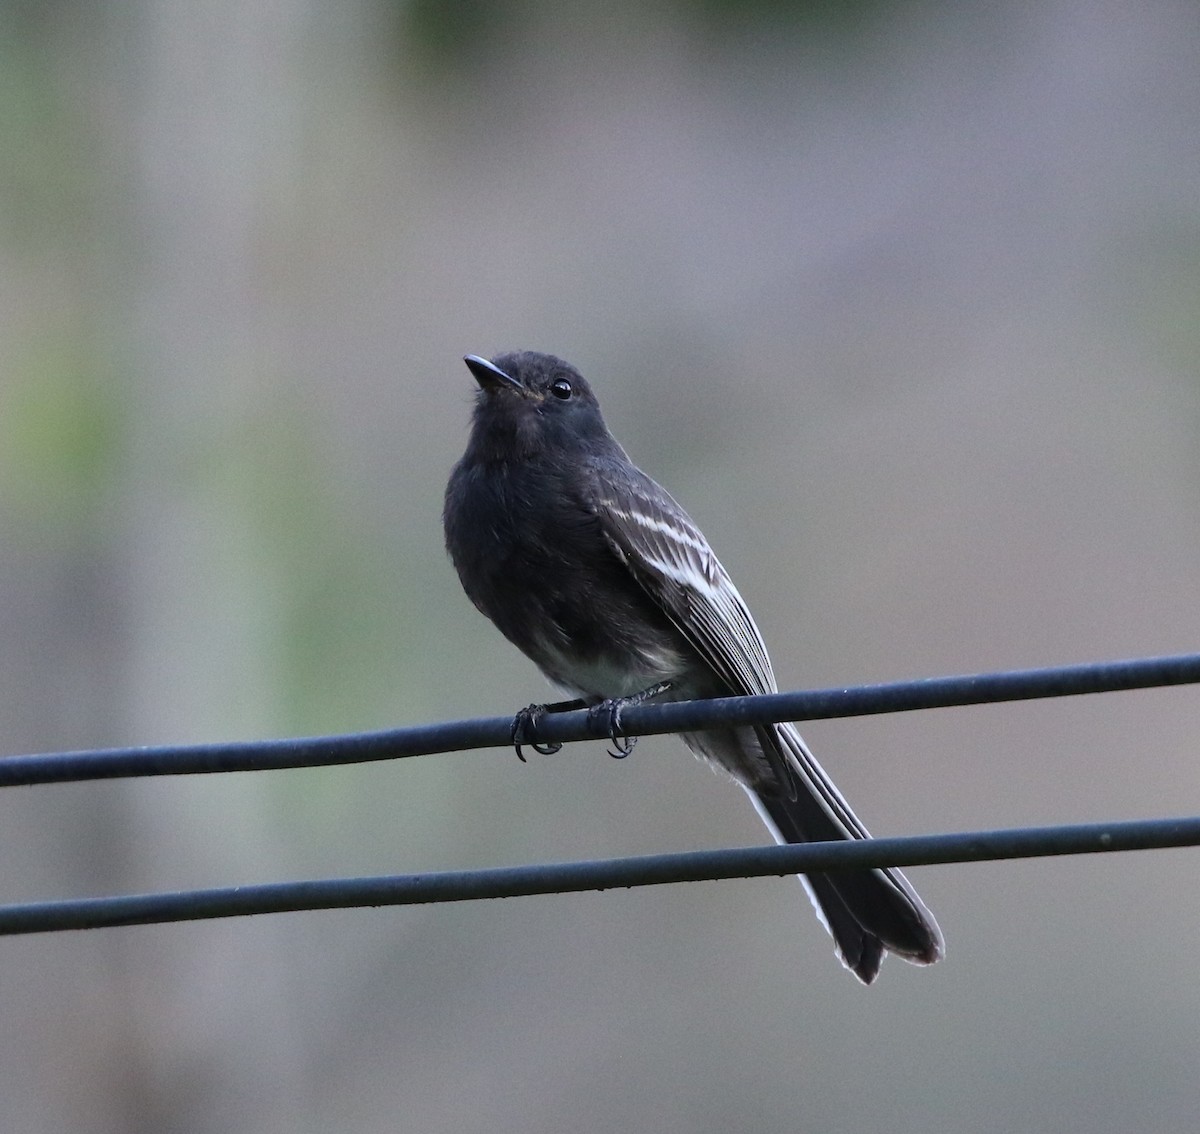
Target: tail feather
<point x="860" y="951"/>
<point x="867" y="912"/>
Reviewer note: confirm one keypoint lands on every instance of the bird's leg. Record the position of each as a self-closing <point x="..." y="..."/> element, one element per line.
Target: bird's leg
<point x="529" y="717"/>
<point x="612" y="709"/>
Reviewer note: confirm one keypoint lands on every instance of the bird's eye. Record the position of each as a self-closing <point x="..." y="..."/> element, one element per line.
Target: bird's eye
<point x="561" y="388"/>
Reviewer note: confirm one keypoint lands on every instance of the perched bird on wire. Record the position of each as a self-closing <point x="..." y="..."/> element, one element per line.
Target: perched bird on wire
<point x="594" y="572"/>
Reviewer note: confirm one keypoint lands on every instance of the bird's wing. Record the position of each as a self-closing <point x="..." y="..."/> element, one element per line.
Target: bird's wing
<point x="669" y="556"/>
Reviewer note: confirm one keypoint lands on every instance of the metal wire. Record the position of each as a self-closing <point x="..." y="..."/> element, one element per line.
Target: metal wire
<point x="606" y="874"/>
<point x="638" y="720"/>
<point x="468" y="885"/>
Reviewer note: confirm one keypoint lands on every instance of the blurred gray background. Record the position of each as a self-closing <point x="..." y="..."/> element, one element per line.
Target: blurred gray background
<point x="901" y="300"/>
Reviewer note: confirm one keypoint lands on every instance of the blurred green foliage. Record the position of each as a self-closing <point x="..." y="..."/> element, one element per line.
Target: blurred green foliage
<point x="47" y="177"/>
<point x="340" y="643"/>
<point x="61" y="436"/>
<point x="447" y="31"/>
<point x="465" y="30"/>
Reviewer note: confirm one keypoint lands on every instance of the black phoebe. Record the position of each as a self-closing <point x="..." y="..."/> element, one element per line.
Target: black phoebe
<point x="596" y="574"/>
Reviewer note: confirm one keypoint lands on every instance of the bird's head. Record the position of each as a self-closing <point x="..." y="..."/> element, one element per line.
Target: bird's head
<point x="529" y="403"/>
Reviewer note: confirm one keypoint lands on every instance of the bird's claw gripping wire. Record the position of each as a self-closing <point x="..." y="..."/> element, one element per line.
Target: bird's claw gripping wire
<point x="526" y="719"/>
<point x="609" y="712"/>
<point x="529" y="717"/>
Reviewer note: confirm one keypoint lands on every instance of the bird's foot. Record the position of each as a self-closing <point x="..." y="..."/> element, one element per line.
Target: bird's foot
<point x="529" y="717"/>
<point x="609" y="712"/>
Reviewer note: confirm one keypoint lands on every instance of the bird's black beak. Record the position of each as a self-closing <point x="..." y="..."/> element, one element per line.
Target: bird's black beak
<point x="489" y="376"/>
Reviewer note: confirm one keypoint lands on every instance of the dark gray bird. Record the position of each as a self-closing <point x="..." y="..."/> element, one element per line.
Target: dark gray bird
<point x="595" y="573"/>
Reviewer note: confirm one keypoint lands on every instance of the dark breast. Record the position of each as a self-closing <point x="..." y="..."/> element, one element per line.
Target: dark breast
<point x="533" y="557"/>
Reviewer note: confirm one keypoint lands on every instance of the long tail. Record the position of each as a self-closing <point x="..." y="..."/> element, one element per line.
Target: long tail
<point x="867" y="912"/>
